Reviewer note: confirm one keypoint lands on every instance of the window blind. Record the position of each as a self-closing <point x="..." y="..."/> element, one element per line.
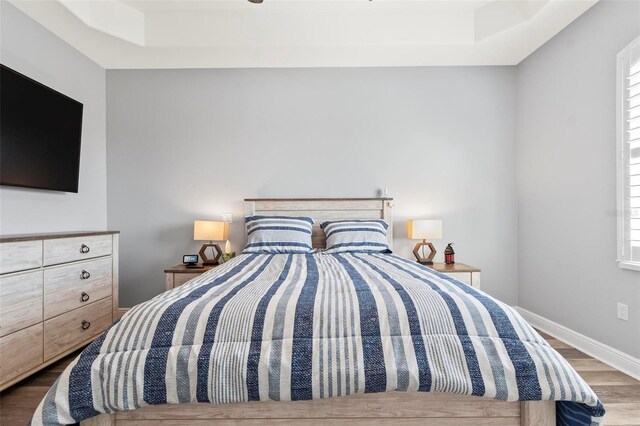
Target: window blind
<point x="629" y="156"/>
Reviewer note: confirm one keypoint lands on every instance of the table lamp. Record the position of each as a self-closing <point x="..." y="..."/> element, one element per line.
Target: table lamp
<point x="423" y="229"/>
<point x="209" y="230"/>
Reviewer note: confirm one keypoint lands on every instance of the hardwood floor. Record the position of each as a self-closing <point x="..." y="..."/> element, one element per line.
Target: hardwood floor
<point x="18" y="402"/>
<point x="619" y="392"/>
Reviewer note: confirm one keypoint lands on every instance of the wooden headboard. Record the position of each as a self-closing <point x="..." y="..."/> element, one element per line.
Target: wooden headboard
<point x="322" y="209"/>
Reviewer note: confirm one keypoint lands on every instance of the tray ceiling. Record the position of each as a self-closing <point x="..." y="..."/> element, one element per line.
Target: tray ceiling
<point x="303" y="33"/>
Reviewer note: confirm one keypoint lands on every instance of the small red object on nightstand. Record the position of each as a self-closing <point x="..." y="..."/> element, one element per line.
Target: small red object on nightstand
<point x="449" y="255"/>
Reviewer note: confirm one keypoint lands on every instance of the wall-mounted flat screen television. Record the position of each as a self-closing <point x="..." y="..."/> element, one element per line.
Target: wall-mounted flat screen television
<point x="40" y="132"/>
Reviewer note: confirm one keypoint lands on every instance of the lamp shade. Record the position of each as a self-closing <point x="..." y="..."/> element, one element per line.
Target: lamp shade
<point x="210" y="230"/>
<point x="424" y="229"/>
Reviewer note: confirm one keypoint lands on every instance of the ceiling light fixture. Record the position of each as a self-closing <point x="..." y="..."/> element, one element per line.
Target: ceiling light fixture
<point x="255" y="1"/>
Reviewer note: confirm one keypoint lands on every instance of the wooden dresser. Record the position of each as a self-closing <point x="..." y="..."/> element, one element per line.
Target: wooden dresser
<point x="58" y="292"/>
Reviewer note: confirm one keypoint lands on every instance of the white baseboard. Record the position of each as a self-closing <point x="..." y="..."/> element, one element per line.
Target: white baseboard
<point x="610" y="356"/>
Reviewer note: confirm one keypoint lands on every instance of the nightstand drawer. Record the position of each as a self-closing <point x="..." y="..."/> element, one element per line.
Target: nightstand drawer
<point x="463" y="277"/>
<point x="179" y="279"/>
<point x="469" y="275"/>
<point x="180" y="274"/>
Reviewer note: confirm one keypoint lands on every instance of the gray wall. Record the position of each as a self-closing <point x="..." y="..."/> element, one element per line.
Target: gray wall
<point x="567" y="179"/>
<point x="191" y="144"/>
<point x="29" y="48"/>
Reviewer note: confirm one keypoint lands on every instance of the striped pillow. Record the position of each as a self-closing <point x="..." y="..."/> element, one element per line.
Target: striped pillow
<point x="356" y="236"/>
<point x="278" y="234"/>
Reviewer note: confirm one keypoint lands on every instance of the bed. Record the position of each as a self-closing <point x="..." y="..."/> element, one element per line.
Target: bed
<point x="320" y="338"/>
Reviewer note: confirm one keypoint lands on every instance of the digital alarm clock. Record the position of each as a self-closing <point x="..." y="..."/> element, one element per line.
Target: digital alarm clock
<point x="190" y="260"/>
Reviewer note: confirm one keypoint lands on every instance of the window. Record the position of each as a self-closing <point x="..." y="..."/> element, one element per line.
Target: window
<point x="628" y="122"/>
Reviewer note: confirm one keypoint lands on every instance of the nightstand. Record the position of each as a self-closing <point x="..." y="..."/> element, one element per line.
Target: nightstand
<point x="469" y="275"/>
<point x="180" y="274"/>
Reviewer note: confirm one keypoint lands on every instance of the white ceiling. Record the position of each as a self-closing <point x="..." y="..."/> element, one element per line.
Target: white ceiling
<point x="304" y="33"/>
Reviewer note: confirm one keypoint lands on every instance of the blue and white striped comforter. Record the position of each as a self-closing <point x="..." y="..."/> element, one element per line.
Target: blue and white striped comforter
<point x="307" y="326"/>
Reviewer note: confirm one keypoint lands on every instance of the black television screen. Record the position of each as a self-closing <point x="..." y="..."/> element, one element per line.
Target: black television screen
<point x="40" y="131"/>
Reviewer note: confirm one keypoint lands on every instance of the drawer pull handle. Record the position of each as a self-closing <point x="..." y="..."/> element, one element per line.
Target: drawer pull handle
<point x="84" y="248"/>
<point x="85" y="325"/>
<point x="84" y="297"/>
<point x="84" y="275"/>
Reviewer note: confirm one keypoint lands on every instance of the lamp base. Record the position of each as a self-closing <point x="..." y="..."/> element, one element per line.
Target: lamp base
<point x="217" y="252"/>
<point x="424" y="260"/>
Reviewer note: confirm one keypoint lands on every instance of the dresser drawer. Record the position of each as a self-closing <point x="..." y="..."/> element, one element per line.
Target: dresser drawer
<point x="20" y="256"/>
<point x="20" y="301"/>
<point x="78" y="284"/>
<point x="20" y="352"/>
<point x="62" y="250"/>
<point x="68" y="330"/>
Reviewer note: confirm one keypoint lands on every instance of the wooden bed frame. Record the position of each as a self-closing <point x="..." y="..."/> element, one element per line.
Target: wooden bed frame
<point x="392" y="408"/>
